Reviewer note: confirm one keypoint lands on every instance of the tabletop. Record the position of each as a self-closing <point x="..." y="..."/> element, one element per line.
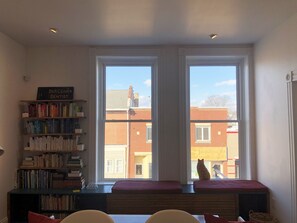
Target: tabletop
<point x="134" y="218"/>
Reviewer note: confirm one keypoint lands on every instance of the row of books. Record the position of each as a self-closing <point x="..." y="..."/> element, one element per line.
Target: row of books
<point x="34" y="179"/>
<point x="44" y="179"/>
<point x="52" y="160"/>
<point x="52" y="109"/>
<point x="58" y="202"/>
<point x="51" y="143"/>
<point x="51" y="126"/>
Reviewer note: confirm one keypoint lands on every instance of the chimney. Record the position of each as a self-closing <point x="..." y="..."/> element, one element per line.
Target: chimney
<point x="130" y="101"/>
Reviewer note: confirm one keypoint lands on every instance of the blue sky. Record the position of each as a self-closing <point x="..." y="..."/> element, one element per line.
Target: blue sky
<point x="204" y="82"/>
<point x="121" y="77"/>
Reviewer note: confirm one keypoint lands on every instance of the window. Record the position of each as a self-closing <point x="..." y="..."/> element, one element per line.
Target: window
<point x="148" y="133"/>
<point x="138" y="169"/>
<point x="127" y="116"/>
<point x="213" y="117"/>
<point x="119" y="166"/>
<point x="109" y="166"/>
<point x="180" y="75"/>
<point x="202" y="133"/>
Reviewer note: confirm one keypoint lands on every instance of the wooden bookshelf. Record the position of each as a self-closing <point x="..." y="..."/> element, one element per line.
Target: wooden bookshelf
<point x="52" y="143"/>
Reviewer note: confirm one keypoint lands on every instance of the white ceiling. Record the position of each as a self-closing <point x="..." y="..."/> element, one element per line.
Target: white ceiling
<point x="141" y="22"/>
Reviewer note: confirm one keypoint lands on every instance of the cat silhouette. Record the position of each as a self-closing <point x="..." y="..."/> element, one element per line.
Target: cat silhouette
<point x="202" y="170"/>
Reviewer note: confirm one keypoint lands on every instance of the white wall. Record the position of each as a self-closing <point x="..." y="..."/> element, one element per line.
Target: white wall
<point x="60" y="66"/>
<point x="275" y="56"/>
<point x="12" y="69"/>
<point x="69" y="66"/>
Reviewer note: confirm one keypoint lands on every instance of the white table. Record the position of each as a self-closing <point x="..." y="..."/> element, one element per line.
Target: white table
<point x="140" y="218"/>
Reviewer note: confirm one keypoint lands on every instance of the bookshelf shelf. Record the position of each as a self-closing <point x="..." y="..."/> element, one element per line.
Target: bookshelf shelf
<point x="54" y="101"/>
<point x="55" y="151"/>
<point x="52" y="144"/>
<point x="56" y="134"/>
<point x="52" y="118"/>
<point x="50" y="168"/>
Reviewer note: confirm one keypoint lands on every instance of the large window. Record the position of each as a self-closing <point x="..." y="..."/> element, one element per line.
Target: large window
<point x="156" y="125"/>
<point x="126" y="117"/>
<point x="214" y="119"/>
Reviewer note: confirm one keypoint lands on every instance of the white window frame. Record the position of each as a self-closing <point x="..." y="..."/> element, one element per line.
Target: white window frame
<point x="202" y="127"/>
<point x="118" y="58"/>
<point x="242" y="58"/>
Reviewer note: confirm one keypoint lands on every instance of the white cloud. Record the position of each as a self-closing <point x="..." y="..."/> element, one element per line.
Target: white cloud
<point x="228" y="82"/>
<point x="148" y="83"/>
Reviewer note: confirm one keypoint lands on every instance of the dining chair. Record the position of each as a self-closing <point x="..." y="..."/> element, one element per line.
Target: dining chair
<point x="172" y="216"/>
<point x="88" y="216"/>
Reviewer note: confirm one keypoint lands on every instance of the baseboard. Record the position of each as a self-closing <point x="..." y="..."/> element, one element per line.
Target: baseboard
<point x="4" y="220"/>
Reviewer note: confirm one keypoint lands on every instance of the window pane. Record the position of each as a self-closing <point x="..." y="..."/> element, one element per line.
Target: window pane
<point x="109" y="167"/>
<point x="128" y="99"/>
<point x="213" y="87"/>
<point x="149" y="133"/>
<point x="140" y="150"/>
<point x="126" y="142"/>
<point x="220" y="154"/>
<point x="206" y="134"/>
<point x="198" y="133"/>
<point x="119" y="166"/>
<point x="128" y="87"/>
<point x="213" y="92"/>
<point x="138" y="169"/>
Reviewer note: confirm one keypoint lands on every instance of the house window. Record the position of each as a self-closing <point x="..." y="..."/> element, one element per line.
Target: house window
<point x="148" y="133"/>
<point x="138" y="169"/>
<point x="119" y="166"/>
<point x="214" y="116"/>
<point x="109" y="166"/>
<point x="127" y="116"/>
<point x="202" y="133"/>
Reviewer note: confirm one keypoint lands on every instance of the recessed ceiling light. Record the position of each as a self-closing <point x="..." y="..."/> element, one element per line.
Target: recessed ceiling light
<point x="213" y="35"/>
<point x="53" y="30"/>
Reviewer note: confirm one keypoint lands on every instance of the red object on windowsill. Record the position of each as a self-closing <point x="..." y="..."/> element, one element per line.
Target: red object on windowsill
<point x="232" y="186"/>
<point x="146" y="186"/>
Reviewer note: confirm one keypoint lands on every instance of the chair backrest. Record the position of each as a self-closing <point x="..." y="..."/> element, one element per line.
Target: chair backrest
<point x="172" y="216"/>
<point x="88" y="216"/>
